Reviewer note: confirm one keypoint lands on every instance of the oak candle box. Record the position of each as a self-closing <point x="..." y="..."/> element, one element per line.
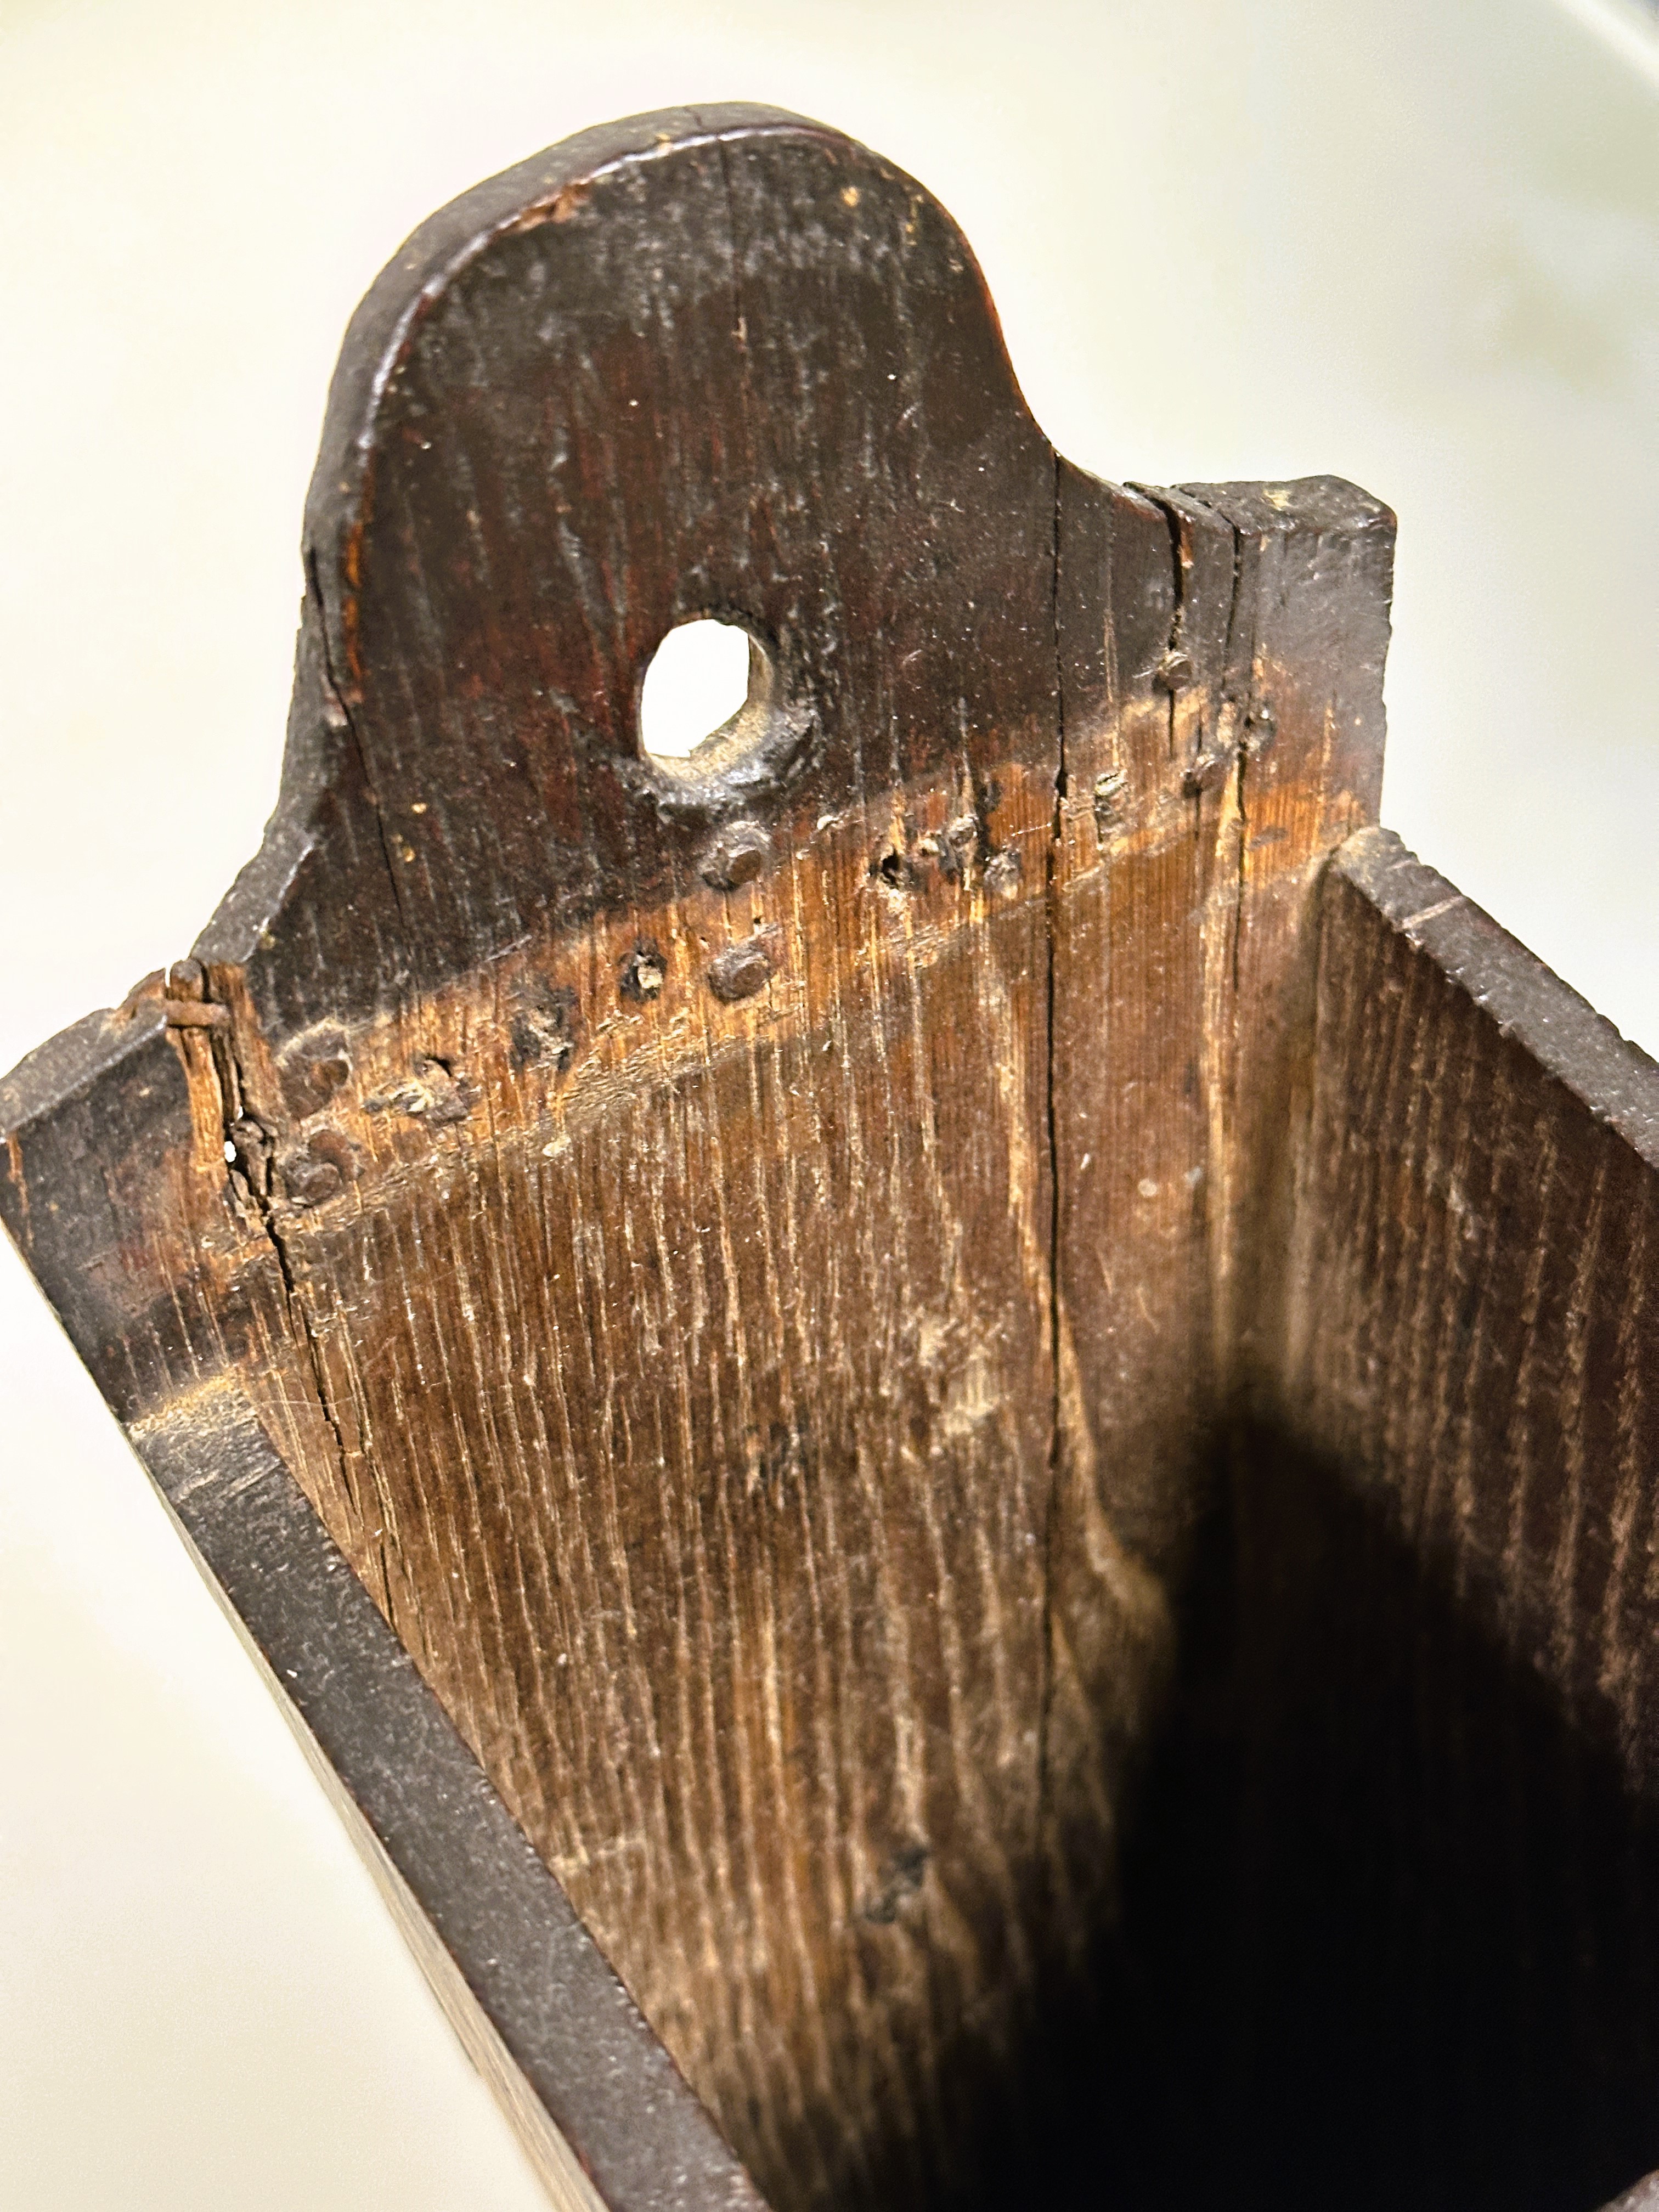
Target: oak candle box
<point x="944" y="1423"/>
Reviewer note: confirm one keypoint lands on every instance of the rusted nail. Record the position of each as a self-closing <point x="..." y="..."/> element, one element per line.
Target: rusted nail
<point x="643" y="973"/>
<point x="1262" y="728"/>
<point x="547" y="1026"/>
<point x="1204" y="773"/>
<point x="312" y="1182"/>
<point x="740" y="971"/>
<point x="183" y="1003"/>
<point x="432" y="1093"/>
<point x="320" y="1171"/>
<point x="1108" y="790"/>
<point x="1175" y="670"/>
<point x="736" y="856"/>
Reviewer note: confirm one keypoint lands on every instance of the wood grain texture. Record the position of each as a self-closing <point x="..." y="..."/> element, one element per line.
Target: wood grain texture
<point x="1222" y="653"/>
<point x="762" y="1347"/>
<point x="591" y="2091"/>
<point x="1403" y="1939"/>
<point x="1474" y="1341"/>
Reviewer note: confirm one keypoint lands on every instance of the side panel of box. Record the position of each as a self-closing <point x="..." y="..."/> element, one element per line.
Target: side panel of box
<point x="1444" y="1529"/>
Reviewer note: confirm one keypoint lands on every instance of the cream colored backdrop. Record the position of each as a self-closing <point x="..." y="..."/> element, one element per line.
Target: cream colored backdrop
<point x="1416" y="243"/>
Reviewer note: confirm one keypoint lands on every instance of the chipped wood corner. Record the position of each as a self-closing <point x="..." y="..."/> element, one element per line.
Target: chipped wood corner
<point x="743" y="1297"/>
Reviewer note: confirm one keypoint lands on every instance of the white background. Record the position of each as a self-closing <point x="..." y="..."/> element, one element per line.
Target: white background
<point x="1417" y="244"/>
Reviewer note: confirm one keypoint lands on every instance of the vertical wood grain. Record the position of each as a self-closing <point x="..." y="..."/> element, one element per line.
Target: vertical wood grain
<point x="1412" y="1931"/>
<point x="762" y="1345"/>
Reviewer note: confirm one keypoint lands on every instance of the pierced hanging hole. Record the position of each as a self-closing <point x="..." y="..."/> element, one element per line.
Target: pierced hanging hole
<point x="704" y="680"/>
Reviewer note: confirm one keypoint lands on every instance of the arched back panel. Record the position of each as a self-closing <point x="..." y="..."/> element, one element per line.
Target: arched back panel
<point x="746" y="1258"/>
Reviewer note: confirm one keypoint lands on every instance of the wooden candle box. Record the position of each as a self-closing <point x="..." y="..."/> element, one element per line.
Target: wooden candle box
<point x="945" y="1424"/>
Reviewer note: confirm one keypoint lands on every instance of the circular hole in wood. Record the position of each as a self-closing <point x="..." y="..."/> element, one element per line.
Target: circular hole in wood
<point x="700" y="680"/>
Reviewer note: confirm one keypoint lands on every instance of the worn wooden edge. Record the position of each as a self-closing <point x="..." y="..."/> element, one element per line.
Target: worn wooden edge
<point x="1615" y="1079"/>
<point x="337" y="843"/>
<point x="546" y="186"/>
<point x="604" y="2115"/>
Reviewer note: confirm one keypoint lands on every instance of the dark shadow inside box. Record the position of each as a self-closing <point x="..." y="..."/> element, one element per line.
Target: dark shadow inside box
<point x="1391" y="1934"/>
